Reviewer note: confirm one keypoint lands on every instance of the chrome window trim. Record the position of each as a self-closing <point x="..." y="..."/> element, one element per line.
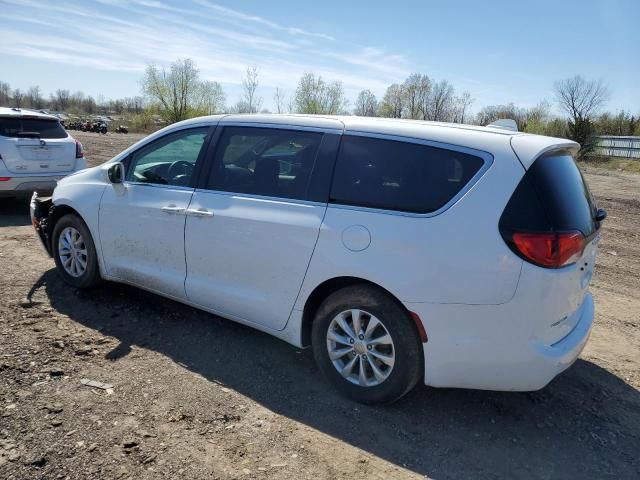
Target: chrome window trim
<point x="486" y="157"/>
<point x="158" y="185"/>
<point x="263" y="198"/>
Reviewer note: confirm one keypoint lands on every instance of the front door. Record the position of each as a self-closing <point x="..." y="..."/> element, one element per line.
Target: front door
<point x="251" y="232"/>
<point x="142" y="220"/>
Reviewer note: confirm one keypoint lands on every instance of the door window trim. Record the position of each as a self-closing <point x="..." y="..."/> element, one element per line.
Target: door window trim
<point x="193" y="182"/>
<point x="486" y="157"/>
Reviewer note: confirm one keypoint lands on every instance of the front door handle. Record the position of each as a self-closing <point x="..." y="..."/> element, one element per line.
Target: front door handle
<point x="172" y="209"/>
<point x="200" y="212"/>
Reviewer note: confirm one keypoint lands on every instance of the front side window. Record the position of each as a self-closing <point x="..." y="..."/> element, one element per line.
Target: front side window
<point x="170" y="160"/>
<point x="394" y="175"/>
<point x="264" y="161"/>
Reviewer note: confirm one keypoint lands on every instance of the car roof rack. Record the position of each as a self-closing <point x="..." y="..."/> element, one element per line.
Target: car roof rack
<point x="504" y="124"/>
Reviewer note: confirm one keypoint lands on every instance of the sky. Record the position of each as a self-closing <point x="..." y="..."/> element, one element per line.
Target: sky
<point x="499" y="51"/>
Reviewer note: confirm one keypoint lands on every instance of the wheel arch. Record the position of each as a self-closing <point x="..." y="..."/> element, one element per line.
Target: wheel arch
<point x="56" y="212"/>
<point x="326" y="288"/>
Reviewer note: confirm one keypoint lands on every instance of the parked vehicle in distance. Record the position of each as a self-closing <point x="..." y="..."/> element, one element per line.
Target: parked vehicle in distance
<point x="401" y="251"/>
<point x="35" y="152"/>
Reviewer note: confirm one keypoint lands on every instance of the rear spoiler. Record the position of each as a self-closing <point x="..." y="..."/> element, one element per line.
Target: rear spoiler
<point x="529" y="147"/>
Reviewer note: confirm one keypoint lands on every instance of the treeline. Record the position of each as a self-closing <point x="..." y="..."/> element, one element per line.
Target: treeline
<point x="63" y="100"/>
<point x="178" y="92"/>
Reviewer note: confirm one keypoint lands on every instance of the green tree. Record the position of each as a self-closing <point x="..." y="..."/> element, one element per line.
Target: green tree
<point x="176" y="90"/>
<point x="314" y="95"/>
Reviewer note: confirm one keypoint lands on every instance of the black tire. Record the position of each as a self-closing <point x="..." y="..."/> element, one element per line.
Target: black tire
<point x="408" y="367"/>
<point x="91" y="275"/>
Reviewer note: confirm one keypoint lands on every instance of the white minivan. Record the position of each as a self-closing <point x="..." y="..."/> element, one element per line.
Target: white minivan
<point x="35" y="152"/>
<point x="401" y="251"/>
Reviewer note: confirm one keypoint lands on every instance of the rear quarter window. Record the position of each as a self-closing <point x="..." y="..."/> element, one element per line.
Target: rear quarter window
<point x="19" y="127"/>
<point x="402" y="176"/>
<point x="552" y="196"/>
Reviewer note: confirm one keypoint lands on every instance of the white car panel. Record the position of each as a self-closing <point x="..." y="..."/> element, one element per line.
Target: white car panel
<point x="249" y="258"/>
<point x="142" y="235"/>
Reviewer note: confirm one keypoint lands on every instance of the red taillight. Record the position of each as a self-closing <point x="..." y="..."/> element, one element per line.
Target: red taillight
<point x="5" y="179"/>
<point x="551" y="250"/>
<point x="79" y="150"/>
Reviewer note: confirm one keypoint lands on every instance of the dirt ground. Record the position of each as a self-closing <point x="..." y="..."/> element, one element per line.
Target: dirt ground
<point x="195" y="396"/>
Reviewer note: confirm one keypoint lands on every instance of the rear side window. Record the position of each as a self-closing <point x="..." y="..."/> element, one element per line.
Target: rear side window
<point x="19" y="127"/>
<point x="396" y="175"/>
<point x="552" y="196"/>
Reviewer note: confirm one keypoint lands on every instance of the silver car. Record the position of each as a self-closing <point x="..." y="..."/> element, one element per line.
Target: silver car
<point x="35" y="152"/>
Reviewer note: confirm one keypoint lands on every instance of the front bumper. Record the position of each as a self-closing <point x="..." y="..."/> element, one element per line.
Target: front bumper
<point x="39" y="210"/>
<point x="490" y="348"/>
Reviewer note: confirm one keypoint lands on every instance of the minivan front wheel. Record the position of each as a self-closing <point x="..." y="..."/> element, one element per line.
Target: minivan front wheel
<point x="74" y="252"/>
<point x="365" y="343"/>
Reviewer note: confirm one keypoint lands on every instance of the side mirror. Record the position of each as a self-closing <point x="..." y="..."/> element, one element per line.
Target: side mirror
<point x="116" y="173"/>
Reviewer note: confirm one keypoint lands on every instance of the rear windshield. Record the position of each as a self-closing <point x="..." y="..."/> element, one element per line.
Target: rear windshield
<point x="552" y="196"/>
<point x="19" y="127"/>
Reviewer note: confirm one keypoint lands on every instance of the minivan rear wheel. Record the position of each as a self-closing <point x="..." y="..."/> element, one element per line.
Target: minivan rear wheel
<point x="365" y="344"/>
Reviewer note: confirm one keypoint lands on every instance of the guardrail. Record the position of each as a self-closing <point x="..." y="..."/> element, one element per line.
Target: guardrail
<point x="612" y="146"/>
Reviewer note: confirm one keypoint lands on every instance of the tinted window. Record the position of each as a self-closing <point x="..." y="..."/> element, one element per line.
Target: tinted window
<point x="552" y="196"/>
<point x="563" y="193"/>
<point x="398" y="175"/>
<point x="171" y="160"/>
<point x="31" y="128"/>
<point x="263" y="161"/>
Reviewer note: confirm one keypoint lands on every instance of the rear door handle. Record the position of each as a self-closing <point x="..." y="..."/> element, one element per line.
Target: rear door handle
<point x="200" y="212"/>
<point x="172" y="209"/>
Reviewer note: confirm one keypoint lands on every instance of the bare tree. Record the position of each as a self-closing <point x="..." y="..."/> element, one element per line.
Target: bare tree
<point x="581" y="98"/>
<point x="279" y="99"/>
<point x="240" y="107"/>
<point x="60" y="100"/>
<point x="34" y="97"/>
<point x="416" y="89"/>
<point x="393" y="102"/>
<point x="18" y="98"/>
<point x="462" y="104"/>
<point x="5" y="94"/>
<point x="249" y="86"/>
<point x="491" y="113"/>
<point x="366" y="104"/>
<point x="211" y="97"/>
<point x="537" y="118"/>
<point x="440" y="105"/>
<point x="175" y="90"/>
<point x="314" y="95"/>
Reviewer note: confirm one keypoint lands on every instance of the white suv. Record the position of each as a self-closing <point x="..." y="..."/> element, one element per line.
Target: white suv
<point x="401" y="251"/>
<point x="35" y="152"/>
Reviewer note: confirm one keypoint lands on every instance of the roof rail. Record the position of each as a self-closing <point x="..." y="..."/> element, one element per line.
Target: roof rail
<point x="505" y="124"/>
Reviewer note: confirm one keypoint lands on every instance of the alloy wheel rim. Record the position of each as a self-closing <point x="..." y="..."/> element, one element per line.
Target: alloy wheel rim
<point x="72" y="252"/>
<point x="360" y="348"/>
